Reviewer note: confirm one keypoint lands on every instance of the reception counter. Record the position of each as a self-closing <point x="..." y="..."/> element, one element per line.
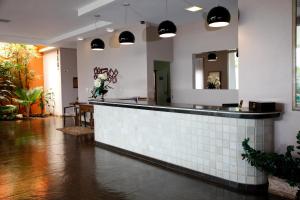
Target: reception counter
<point x="202" y="141"/>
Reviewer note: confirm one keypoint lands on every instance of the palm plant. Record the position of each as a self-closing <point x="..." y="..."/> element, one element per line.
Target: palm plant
<point x="8" y="112"/>
<point x="5" y="90"/>
<point x="6" y="85"/>
<point x="28" y="97"/>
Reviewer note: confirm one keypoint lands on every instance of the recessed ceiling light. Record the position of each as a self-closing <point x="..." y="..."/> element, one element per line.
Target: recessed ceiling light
<point x="194" y="8"/>
<point x="80" y="39"/>
<point x="110" y="30"/>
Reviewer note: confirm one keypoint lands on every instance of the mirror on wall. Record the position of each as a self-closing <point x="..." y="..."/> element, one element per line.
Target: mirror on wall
<point x="296" y="70"/>
<point x="216" y="70"/>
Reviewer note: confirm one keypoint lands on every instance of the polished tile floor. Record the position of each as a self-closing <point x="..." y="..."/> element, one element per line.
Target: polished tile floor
<point x="37" y="162"/>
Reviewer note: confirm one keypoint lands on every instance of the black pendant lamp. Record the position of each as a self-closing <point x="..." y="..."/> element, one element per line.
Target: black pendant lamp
<point x="218" y="17"/>
<point x="97" y="45"/>
<point x="212" y="57"/>
<point x="167" y="29"/>
<point x="126" y="37"/>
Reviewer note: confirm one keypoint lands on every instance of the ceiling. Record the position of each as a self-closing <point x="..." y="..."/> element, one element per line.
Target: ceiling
<point x="56" y="22"/>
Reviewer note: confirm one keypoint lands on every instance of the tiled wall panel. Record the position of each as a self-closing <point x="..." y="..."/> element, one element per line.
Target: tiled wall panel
<point x="211" y="145"/>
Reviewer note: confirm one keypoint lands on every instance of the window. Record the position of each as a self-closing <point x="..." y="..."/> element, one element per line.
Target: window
<point x="296" y="70"/>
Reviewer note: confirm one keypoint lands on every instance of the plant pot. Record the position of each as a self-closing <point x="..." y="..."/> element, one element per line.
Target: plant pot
<point x="103" y="93"/>
<point x="280" y="187"/>
<point x="27" y="111"/>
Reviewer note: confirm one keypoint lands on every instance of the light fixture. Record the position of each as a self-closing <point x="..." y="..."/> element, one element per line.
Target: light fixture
<point x="212" y="57"/>
<point x="218" y="17"/>
<point x="97" y="44"/>
<point x="80" y="39"/>
<point x="126" y="37"/>
<point x="110" y="30"/>
<point x="194" y="8"/>
<point x="167" y="29"/>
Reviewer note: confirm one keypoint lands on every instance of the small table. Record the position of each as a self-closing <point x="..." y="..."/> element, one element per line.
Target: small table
<point x="83" y="109"/>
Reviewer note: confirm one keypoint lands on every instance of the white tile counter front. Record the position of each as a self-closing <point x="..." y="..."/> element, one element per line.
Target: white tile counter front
<point x="208" y="144"/>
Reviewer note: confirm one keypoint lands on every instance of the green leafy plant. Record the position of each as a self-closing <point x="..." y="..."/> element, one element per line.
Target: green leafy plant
<point x="298" y="86"/>
<point x="18" y="57"/>
<point x="49" y="100"/>
<point x="27" y="97"/>
<point x="101" y="86"/>
<point x="8" y="109"/>
<point x="6" y="85"/>
<point x="284" y="166"/>
<point x="6" y="88"/>
<point x="8" y="112"/>
<point x="42" y="103"/>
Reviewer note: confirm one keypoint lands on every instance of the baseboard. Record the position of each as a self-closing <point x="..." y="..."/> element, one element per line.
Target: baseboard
<point x="230" y="185"/>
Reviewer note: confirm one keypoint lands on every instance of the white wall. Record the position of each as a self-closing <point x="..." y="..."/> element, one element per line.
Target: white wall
<point x="197" y="38"/>
<point x="131" y="62"/>
<point x="52" y="78"/>
<point x="265" y="49"/>
<point x="205" y="97"/>
<point x="157" y="50"/>
<point x="68" y="62"/>
<point x="60" y="66"/>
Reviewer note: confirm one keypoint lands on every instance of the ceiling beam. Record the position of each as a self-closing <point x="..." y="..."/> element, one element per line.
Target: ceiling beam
<point x="78" y="32"/>
<point x="20" y="39"/>
<point x="93" y="6"/>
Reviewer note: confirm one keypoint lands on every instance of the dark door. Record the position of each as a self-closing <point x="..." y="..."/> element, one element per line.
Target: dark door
<point x="162" y="82"/>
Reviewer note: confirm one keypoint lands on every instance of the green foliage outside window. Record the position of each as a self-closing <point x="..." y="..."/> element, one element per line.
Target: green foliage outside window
<point x="298" y="86"/>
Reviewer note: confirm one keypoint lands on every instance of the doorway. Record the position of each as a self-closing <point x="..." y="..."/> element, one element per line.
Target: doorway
<point x="162" y="82"/>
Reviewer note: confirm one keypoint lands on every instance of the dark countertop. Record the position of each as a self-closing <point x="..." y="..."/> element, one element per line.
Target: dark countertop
<point x="218" y="111"/>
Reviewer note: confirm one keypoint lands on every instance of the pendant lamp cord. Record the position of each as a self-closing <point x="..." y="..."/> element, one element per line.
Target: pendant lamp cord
<point x="126" y="13"/>
<point x="167" y="9"/>
<point x="137" y="13"/>
<point x="97" y="16"/>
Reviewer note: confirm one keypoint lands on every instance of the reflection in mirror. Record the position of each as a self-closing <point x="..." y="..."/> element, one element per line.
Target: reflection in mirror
<point x="216" y="70"/>
<point x="297" y="67"/>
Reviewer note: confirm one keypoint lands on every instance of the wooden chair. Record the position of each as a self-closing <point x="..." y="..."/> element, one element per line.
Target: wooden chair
<point x="83" y="110"/>
<point x="75" y="107"/>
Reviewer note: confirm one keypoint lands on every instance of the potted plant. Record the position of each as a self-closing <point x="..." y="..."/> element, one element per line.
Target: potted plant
<point x="284" y="166"/>
<point x="49" y="100"/>
<point x="27" y="97"/>
<point x="101" y="86"/>
<point x="213" y="82"/>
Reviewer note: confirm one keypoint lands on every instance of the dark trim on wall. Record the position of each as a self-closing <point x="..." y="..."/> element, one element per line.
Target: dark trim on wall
<point x="230" y="185"/>
<point x="216" y="111"/>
